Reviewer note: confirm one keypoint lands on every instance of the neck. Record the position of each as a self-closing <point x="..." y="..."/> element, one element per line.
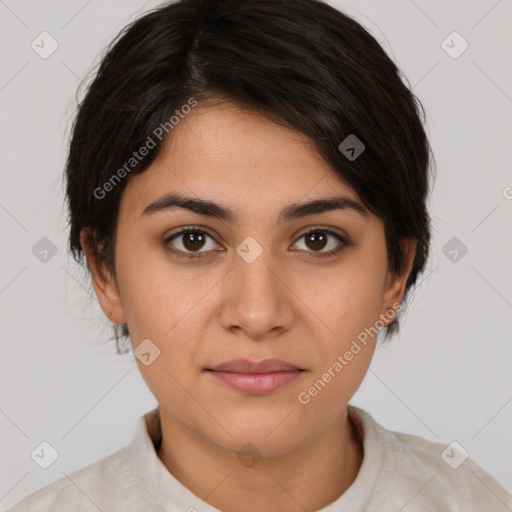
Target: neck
<point x="308" y="478"/>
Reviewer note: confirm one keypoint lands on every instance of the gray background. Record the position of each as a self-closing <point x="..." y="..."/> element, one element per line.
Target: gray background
<point x="446" y="377"/>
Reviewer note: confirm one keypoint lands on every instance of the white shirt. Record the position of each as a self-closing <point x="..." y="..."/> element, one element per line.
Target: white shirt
<point x="399" y="472"/>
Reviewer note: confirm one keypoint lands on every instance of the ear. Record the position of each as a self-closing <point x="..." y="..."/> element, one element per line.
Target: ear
<point x="104" y="284"/>
<point x="394" y="289"/>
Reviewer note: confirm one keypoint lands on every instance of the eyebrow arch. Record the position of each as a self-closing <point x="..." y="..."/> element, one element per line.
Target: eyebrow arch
<point x="291" y="212"/>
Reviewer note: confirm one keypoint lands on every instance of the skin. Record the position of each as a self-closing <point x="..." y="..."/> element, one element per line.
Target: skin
<point x="289" y="304"/>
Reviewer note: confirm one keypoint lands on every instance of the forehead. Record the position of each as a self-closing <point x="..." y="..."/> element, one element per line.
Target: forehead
<point x="236" y="154"/>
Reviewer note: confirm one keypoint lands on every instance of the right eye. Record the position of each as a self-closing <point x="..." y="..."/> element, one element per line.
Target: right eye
<point x="190" y="241"/>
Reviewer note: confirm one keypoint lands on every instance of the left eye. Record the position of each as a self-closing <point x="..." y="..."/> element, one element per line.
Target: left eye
<point x="317" y="239"/>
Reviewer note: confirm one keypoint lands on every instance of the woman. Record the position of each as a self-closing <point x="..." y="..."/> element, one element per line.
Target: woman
<point x="247" y="182"/>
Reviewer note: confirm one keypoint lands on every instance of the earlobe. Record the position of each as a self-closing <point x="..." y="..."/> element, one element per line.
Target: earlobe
<point x="104" y="284"/>
<point x="395" y="285"/>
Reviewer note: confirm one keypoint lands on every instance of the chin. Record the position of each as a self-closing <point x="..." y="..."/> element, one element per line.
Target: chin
<point x="269" y="436"/>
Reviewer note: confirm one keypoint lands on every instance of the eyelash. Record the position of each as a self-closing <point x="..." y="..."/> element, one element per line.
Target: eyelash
<point x="196" y="256"/>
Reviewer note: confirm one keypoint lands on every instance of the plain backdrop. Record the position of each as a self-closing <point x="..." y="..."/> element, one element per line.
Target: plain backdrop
<point x="445" y="377"/>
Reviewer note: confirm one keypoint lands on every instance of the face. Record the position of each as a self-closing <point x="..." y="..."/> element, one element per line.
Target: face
<point x="256" y="286"/>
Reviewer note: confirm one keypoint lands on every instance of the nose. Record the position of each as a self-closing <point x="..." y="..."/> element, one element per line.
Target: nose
<point x="258" y="301"/>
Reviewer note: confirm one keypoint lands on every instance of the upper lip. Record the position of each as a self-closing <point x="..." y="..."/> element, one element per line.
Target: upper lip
<point x="248" y="366"/>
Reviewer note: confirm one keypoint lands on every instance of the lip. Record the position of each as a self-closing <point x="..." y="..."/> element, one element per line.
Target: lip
<point x="256" y="377"/>
<point x="257" y="383"/>
<point x="248" y="366"/>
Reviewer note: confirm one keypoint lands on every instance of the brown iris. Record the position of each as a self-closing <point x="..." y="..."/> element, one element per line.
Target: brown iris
<point x="317" y="238"/>
<point x="193" y="240"/>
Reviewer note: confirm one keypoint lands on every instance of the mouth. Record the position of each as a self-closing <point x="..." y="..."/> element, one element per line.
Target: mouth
<point x="256" y="377"/>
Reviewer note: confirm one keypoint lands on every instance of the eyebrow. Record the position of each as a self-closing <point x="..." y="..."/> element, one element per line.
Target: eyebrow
<point x="287" y="214"/>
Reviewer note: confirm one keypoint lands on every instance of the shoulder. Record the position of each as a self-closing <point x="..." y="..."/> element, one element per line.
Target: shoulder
<point x="449" y="474"/>
<point x="431" y="475"/>
<point x="87" y="489"/>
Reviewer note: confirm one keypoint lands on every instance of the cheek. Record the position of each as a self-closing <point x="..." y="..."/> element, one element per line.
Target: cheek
<point x="328" y="392"/>
<point x="350" y="308"/>
<point x="347" y="302"/>
<point x="169" y="309"/>
<point x="151" y="295"/>
<point x="166" y="304"/>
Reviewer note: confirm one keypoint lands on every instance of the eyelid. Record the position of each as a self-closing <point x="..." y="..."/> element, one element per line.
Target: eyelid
<point x="300" y="233"/>
<point x="343" y="239"/>
<point x="343" y="242"/>
<point x="326" y="229"/>
<point x="191" y="227"/>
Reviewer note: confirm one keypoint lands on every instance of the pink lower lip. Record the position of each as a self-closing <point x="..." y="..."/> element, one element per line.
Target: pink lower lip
<point x="257" y="383"/>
